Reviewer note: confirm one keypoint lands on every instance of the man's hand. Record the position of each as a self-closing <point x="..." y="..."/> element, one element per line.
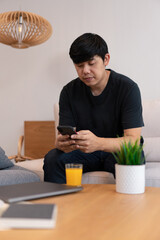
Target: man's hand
<point x="65" y="143"/>
<point x="85" y="141"/>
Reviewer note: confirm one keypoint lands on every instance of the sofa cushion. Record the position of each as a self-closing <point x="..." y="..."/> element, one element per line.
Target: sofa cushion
<point x="98" y="178"/>
<point x="90" y="177"/>
<point x="33" y="165"/>
<point x="152" y="174"/>
<point x="17" y="175"/>
<point x="152" y="149"/>
<point x="4" y="161"/>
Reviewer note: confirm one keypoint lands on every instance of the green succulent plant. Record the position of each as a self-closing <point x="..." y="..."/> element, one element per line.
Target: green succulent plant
<point x="129" y="154"/>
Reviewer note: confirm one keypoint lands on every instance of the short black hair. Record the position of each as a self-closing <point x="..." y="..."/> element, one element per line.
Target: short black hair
<point x="87" y="46"/>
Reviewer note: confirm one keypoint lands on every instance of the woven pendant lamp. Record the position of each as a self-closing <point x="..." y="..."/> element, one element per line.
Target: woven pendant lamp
<point x="23" y="29"/>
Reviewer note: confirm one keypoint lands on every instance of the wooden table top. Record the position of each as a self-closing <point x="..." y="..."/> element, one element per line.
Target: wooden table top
<point x="98" y="212"/>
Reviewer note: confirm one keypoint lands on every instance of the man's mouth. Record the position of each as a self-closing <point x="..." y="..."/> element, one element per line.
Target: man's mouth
<point x="88" y="79"/>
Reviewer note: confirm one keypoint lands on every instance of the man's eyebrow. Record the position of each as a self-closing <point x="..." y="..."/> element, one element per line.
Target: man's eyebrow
<point x="92" y="58"/>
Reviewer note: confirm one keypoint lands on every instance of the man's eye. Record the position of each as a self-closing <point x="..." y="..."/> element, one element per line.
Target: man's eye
<point x="80" y="66"/>
<point x="91" y="63"/>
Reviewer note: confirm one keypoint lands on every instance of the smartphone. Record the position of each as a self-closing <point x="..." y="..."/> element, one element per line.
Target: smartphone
<point x="66" y="130"/>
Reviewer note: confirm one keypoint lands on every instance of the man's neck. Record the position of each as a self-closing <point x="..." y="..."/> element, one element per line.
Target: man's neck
<point x="97" y="90"/>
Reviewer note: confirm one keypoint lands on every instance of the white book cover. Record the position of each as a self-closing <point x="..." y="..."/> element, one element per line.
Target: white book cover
<point x="29" y="216"/>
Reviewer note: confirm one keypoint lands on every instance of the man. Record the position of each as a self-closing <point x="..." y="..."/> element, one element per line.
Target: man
<point x="104" y="106"/>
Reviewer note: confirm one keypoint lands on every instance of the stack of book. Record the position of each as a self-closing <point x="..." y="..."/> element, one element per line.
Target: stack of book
<point x="28" y="215"/>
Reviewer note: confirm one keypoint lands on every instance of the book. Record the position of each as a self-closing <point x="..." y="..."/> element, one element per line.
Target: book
<point x="29" y="216"/>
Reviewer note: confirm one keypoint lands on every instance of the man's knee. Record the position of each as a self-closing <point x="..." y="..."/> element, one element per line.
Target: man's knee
<point x="52" y="156"/>
<point x="54" y="166"/>
<point x="50" y="160"/>
<point x="49" y="166"/>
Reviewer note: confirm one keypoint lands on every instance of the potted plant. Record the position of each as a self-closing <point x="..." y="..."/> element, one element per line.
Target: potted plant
<point x="130" y="169"/>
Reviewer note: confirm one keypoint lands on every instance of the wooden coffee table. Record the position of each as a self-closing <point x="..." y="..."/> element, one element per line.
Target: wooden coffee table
<point x="97" y="213"/>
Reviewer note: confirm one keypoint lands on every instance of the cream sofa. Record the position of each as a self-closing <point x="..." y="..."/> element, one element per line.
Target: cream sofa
<point x="151" y="134"/>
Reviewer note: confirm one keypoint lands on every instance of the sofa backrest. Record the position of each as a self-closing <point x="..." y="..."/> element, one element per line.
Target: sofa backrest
<point x="151" y="130"/>
<point x="151" y="115"/>
<point x="56" y="116"/>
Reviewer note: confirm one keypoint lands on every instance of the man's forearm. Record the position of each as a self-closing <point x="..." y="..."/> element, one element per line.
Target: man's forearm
<point x="113" y="144"/>
<point x="88" y="142"/>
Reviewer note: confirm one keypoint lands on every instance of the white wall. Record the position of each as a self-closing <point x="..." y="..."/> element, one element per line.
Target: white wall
<point x="31" y="79"/>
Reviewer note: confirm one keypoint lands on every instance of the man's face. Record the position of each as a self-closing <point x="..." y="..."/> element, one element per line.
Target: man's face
<point x="93" y="72"/>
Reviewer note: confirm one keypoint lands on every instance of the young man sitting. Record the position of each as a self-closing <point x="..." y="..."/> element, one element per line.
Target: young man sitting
<point x="104" y="106"/>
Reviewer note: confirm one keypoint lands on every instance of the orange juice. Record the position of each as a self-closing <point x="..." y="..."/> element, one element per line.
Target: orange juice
<point x="74" y="176"/>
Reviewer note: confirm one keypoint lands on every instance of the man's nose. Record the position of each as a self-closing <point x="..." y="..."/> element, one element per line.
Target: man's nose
<point x="86" y="69"/>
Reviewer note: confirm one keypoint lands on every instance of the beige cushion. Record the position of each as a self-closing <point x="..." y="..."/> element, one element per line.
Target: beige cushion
<point x="152" y="174"/>
<point x="98" y="178"/>
<point x="33" y="165"/>
<point x="91" y="177"/>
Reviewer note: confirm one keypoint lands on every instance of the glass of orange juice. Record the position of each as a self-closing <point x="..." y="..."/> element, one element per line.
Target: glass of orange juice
<point x="74" y="174"/>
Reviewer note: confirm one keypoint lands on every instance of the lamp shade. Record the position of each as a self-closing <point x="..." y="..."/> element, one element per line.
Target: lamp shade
<point x="23" y="29"/>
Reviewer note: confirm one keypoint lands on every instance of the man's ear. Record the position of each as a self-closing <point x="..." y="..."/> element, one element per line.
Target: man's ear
<point x="106" y="59"/>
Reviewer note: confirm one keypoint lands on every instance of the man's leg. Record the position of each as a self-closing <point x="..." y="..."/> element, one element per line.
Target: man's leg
<point x="108" y="162"/>
<point x="55" y="160"/>
<point x="50" y="160"/>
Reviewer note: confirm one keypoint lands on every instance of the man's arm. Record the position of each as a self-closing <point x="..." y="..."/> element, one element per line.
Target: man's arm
<point x="88" y="142"/>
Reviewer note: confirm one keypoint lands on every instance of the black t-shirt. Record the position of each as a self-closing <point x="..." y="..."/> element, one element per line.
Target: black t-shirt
<point x="117" y="108"/>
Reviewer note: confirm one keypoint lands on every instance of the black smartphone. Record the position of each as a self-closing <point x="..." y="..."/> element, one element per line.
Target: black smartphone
<point x="66" y="130"/>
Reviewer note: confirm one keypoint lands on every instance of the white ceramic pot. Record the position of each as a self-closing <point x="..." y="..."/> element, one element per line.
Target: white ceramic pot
<point x="130" y="179"/>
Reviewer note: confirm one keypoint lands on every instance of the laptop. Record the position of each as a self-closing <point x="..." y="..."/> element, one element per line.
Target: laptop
<point x="34" y="190"/>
